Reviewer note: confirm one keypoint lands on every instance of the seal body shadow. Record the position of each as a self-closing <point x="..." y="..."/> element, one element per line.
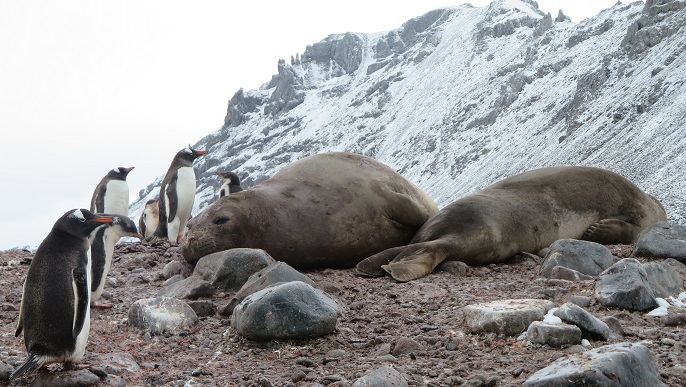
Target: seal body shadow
<point x="326" y="210"/>
<point x="524" y="213"/>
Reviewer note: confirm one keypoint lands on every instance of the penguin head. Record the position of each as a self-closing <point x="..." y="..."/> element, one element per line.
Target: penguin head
<point x="186" y="156"/>
<point x="119" y="173"/>
<point x="124" y="226"/>
<point x="230" y="176"/>
<point x="81" y="222"/>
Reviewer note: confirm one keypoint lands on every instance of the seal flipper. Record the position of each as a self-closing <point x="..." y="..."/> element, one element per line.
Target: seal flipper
<point x="418" y="260"/>
<point x="371" y="266"/>
<point x="612" y="231"/>
<point x="407" y="210"/>
<point x="20" y="324"/>
<point x="81" y="299"/>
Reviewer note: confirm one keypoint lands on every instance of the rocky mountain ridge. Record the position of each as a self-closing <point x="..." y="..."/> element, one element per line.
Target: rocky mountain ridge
<point x="461" y="97"/>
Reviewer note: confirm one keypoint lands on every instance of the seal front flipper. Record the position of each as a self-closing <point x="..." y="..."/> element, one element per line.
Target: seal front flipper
<point x="407" y="210"/>
<point x="371" y="266"/>
<point x="418" y="260"/>
<point x="612" y="231"/>
<point x="82" y="299"/>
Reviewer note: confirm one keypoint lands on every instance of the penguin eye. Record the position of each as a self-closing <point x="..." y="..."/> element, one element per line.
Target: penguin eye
<point x="221" y="220"/>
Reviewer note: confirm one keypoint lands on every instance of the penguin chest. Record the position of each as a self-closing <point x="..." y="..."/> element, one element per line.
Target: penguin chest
<point x="117" y="198"/>
<point x="185" y="191"/>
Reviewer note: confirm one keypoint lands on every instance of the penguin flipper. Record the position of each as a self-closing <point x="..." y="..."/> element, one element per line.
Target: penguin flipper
<point x="172" y="197"/>
<point x="30" y="365"/>
<point x="82" y="299"/>
<point x="98" y="202"/>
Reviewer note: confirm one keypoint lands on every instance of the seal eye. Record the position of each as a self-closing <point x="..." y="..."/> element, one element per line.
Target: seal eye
<point x="221" y="220"/>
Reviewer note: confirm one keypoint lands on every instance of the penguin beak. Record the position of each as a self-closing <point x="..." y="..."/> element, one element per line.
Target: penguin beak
<point x="200" y="153"/>
<point x="129" y="169"/>
<point x="103" y="219"/>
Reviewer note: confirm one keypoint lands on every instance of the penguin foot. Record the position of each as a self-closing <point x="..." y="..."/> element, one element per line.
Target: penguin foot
<point x="100" y="305"/>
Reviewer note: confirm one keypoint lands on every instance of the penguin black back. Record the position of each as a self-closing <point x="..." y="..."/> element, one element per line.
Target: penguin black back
<point x="231" y="183"/>
<point x="168" y="190"/>
<point x="54" y="314"/>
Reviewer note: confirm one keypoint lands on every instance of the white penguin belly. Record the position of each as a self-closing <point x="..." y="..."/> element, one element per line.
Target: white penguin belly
<point x="185" y="193"/>
<point x="117" y="198"/>
<point x="82" y="337"/>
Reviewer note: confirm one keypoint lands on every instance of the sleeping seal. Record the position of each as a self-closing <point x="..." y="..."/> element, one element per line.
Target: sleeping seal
<point x="523" y="213"/>
<point x="326" y="210"/>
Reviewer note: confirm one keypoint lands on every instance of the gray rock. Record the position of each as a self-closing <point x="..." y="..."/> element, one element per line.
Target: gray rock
<point x="273" y="274"/>
<point x="203" y="308"/>
<point x="663" y="279"/>
<point x="230" y="269"/>
<point x="162" y="315"/>
<point x="588" y="258"/>
<point x="582" y="301"/>
<point x="381" y="377"/>
<point x="553" y="335"/>
<point x="191" y="288"/>
<point x="507" y="317"/>
<point x="5" y="371"/>
<point x="623" y="364"/>
<point x="615" y="325"/>
<point x="176" y="267"/>
<point x="79" y="378"/>
<point x="662" y="240"/>
<point x="290" y="310"/>
<point x="625" y="285"/>
<point x="174" y="279"/>
<point x="591" y="326"/>
<point x="561" y="272"/>
<point x="119" y="363"/>
<point x="405" y="346"/>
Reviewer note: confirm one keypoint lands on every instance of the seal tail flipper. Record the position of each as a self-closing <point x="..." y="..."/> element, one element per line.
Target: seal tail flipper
<point x="417" y="261"/>
<point x="612" y="231"/>
<point x="30" y="365"/>
<point x="371" y="266"/>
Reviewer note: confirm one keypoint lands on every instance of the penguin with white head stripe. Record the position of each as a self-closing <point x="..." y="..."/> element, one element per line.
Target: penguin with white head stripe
<point x="177" y="195"/>
<point x="55" y="305"/>
<point x="111" y="196"/>
<point x="231" y="183"/>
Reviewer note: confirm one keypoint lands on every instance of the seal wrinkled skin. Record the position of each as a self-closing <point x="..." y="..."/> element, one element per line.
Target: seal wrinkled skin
<point x="326" y="210"/>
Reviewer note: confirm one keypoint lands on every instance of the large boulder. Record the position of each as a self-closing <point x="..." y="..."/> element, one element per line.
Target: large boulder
<point x="662" y="240"/>
<point x="625" y="285"/>
<point x="230" y="269"/>
<point x="585" y="257"/>
<point x="623" y="364"/>
<point x="291" y="310"/>
<point x="506" y="317"/>
<point x="162" y="315"/>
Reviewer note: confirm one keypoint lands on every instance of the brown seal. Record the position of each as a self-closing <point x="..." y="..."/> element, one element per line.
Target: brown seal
<point x="326" y="210"/>
<point x="523" y="213"/>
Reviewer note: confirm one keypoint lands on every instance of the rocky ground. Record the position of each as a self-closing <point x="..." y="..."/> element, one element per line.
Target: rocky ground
<point x="416" y="327"/>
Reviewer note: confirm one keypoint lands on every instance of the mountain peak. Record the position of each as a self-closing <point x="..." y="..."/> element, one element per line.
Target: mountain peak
<point x="458" y="98"/>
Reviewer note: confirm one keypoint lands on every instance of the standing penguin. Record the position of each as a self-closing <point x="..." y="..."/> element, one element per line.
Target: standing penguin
<point x="55" y="305"/>
<point x="112" y="193"/>
<point x="102" y="250"/>
<point x="111" y="196"/>
<point x="231" y="183"/>
<point x="150" y="218"/>
<point x="177" y="195"/>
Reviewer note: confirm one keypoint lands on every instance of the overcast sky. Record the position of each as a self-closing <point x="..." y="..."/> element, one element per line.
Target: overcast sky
<point x="86" y="86"/>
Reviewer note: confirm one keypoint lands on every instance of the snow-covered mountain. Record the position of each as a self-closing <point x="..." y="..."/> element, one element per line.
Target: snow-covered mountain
<point x="461" y="97"/>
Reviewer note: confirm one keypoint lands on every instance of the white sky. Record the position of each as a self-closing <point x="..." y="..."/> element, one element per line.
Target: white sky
<point x="86" y="86"/>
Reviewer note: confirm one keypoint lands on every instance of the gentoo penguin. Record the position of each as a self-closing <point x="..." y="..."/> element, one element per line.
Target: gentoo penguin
<point x="102" y="249"/>
<point x="111" y="196"/>
<point x="231" y="183"/>
<point x="55" y="305"/>
<point x="150" y="218"/>
<point x="177" y="195"/>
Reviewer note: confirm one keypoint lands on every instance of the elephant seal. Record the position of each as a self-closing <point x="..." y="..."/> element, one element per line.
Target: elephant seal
<point x="523" y="213"/>
<point x="327" y="210"/>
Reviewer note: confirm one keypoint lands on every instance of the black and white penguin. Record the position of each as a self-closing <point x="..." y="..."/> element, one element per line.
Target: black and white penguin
<point x="177" y="195"/>
<point x="55" y="305"/>
<point x="111" y="196"/>
<point x="231" y="183"/>
<point x="102" y="250"/>
<point x="150" y="218"/>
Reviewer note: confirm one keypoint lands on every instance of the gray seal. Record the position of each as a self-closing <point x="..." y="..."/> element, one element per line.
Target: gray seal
<point x="523" y="213"/>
